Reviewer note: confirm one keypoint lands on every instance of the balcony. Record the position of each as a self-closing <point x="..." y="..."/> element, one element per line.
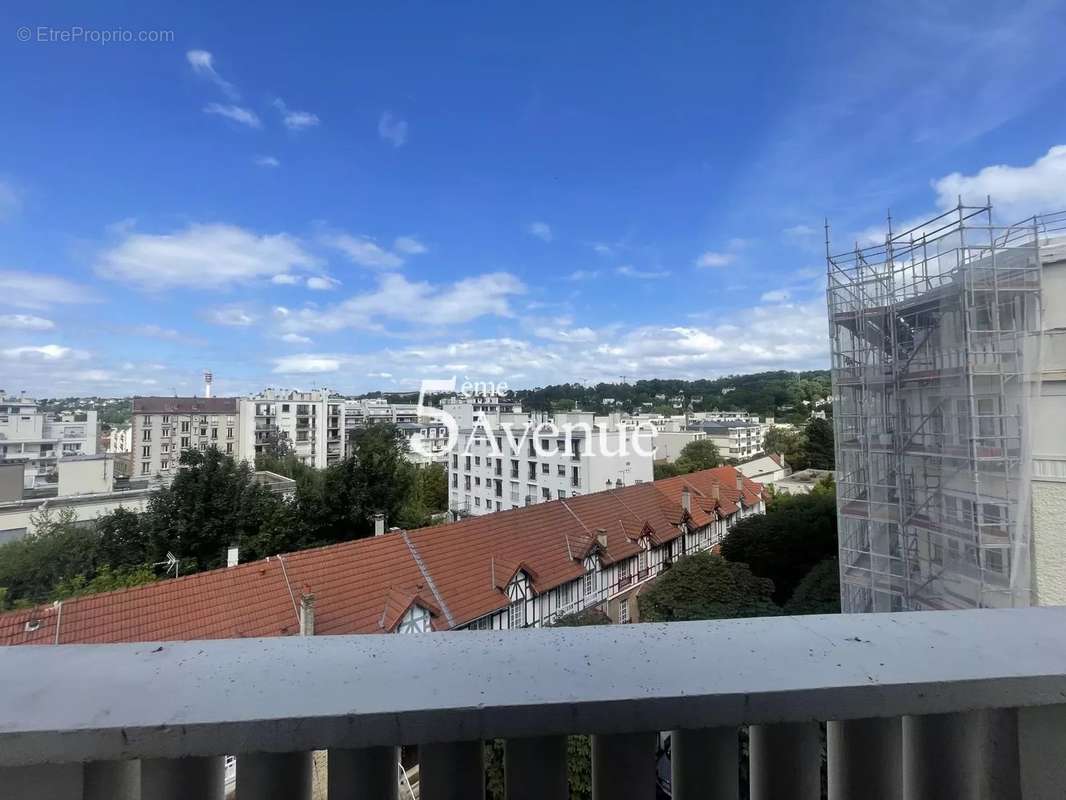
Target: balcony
<point x="960" y="704"/>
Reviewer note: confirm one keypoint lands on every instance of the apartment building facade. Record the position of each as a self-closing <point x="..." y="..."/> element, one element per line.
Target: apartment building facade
<point x="734" y="438"/>
<point x="162" y="427"/>
<point x="508" y="460"/>
<point x="39" y="439"/>
<point x="949" y="380"/>
<point x="308" y="424"/>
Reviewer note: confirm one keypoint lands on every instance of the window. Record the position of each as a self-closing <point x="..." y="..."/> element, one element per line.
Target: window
<point x="214" y="433"/>
<point x="184" y="441"/>
<point x="203" y="431"/>
<point x="285" y="408"/>
<point x="477" y="502"/>
<point x="146" y="451"/>
<point x="166" y="432"/>
<point x="590" y="581"/>
<point x="146" y="436"/>
<point x="545" y="469"/>
<point x="623" y="612"/>
<point x="416" y="620"/>
<point x="516" y="614"/>
<point x="146" y="467"/>
<point x="165" y="464"/>
<point x="477" y="481"/>
<point x="146" y="420"/>
<point x="229" y="448"/>
<point x="561" y="470"/>
<point x="185" y="426"/>
<point x="477" y="461"/>
<point x="623" y="579"/>
<point x="561" y="494"/>
<point x="546" y="493"/>
<point x="229" y="433"/>
<point x="994" y="560"/>
<point x="642" y="562"/>
<point x="166" y="419"/>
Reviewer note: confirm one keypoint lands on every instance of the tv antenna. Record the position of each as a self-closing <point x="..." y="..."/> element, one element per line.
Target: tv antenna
<point x="171" y="563"/>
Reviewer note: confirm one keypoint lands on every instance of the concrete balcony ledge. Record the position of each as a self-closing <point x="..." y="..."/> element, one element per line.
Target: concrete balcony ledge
<point x="99" y="702"/>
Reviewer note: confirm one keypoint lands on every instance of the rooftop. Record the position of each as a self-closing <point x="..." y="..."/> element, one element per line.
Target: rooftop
<point x="461" y="567"/>
<point x="184" y="405"/>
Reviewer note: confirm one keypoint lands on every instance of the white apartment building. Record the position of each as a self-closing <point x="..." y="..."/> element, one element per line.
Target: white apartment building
<point x="506" y="460"/>
<point x="39" y="438"/>
<point x="311" y="424"/>
<point x="735" y="438"/>
<point x="427" y="442"/>
<point x="120" y="440"/>
<point x="164" y="426"/>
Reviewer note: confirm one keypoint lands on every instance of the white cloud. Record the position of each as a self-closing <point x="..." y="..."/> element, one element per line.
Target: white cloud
<point x="322" y="283"/>
<point x="295" y="120"/>
<point x="775" y="296"/>
<point x="46" y="352"/>
<point x="562" y="334"/>
<point x="715" y="259"/>
<point x="35" y="291"/>
<point x="285" y="279"/>
<point x="602" y="249"/>
<point x="392" y="129"/>
<point x="156" y="332"/>
<point x="202" y="63"/>
<point x="26" y="322"/>
<point x="267" y="161"/>
<point x="416" y="303"/>
<point x="202" y="256"/>
<point x="9" y="201"/>
<point x="542" y="230"/>
<point x="245" y="116"/>
<point x="1016" y="192"/>
<point x="799" y="232"/>
<point x="363" y="251"/>
<point x="583" y="275"/>
<point x="295" y="338"/>
<point x="306" y="363"/>
<point x="231" y="316"/>
<point x="409" y="245"/>
<point x="629" y="272"/>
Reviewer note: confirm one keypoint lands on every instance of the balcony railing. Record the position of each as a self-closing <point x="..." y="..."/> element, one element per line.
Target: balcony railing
<point x="962" y="704"/>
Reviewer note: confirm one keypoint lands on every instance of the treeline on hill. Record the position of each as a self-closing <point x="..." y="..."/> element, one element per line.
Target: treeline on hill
<point x="215" y="503"/>
<point x="776" y="394"/>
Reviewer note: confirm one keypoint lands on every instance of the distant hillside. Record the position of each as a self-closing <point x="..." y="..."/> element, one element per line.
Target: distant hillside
<point x="777" y="394"/>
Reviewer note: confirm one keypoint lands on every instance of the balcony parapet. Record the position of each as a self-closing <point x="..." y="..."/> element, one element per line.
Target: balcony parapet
<point x="781" y="675"/>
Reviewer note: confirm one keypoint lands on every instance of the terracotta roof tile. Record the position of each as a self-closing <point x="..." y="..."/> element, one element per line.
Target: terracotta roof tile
<point x="458" y="571"/>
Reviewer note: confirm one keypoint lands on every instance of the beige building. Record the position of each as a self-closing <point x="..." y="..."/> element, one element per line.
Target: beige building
<point x="310" y="424"/>
<point x="164" y="426"/>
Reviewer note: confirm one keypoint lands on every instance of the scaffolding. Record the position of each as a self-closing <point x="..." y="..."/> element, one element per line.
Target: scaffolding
<point x="935" y="336"/>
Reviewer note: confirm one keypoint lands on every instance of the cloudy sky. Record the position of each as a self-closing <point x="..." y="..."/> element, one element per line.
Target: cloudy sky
<point x="367" y="195"/>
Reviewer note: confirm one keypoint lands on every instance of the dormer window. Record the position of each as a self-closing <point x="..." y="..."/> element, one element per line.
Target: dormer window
<point x="416" y="620"/>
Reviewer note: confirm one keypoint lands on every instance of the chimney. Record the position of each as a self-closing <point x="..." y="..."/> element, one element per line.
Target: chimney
<point x="601" y="537"/>
<point x="307" y="614"/>
<point x="379" y="524"/>
<point x="740" y="481"/>
<point x="686" y="500"/>
<point x="717" y="491"/>
<point x="232" y="556"/>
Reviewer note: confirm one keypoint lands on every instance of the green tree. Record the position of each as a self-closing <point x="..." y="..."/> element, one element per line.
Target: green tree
<point x="819" y="435"/>
<point x="697" y="455"/>
<point x="795" y="533"/>
<point x="789" y="443"/>
<point x="58" y="549"/>
<point x="706" y="586"/>
<point x="818" y="592"/>
<point x="106" y="580"/>
<point x="665" y="469"/>
<point x="212" y="504"/>
<point x="579" y="619"/>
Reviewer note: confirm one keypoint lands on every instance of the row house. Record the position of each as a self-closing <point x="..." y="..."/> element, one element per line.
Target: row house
<point x="516" y="569"/>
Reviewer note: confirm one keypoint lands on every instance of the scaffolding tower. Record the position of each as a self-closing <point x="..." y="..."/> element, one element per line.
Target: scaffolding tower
<point x="935" y="334"/>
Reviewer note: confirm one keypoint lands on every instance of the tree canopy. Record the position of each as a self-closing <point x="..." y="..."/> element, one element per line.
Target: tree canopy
<point x="706" y="586"/>
<point x="697" y="455"/>
<point x="785" y="543"/>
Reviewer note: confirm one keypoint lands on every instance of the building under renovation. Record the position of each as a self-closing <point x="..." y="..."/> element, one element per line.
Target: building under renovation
<point x="949" y="379"/>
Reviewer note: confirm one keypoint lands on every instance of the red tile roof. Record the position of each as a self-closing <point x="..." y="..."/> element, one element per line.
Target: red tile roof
<point x="457" y="571"/>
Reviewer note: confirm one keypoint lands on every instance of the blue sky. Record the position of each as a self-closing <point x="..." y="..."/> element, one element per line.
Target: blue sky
<point x="364" y="195"/>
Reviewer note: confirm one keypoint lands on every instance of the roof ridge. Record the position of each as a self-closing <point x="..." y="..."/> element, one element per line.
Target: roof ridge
<point x="623" y="502"/>
<point x="429" y="578"/>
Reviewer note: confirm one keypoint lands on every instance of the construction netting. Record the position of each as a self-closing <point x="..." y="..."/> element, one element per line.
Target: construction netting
<point x="936" y="338"/>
